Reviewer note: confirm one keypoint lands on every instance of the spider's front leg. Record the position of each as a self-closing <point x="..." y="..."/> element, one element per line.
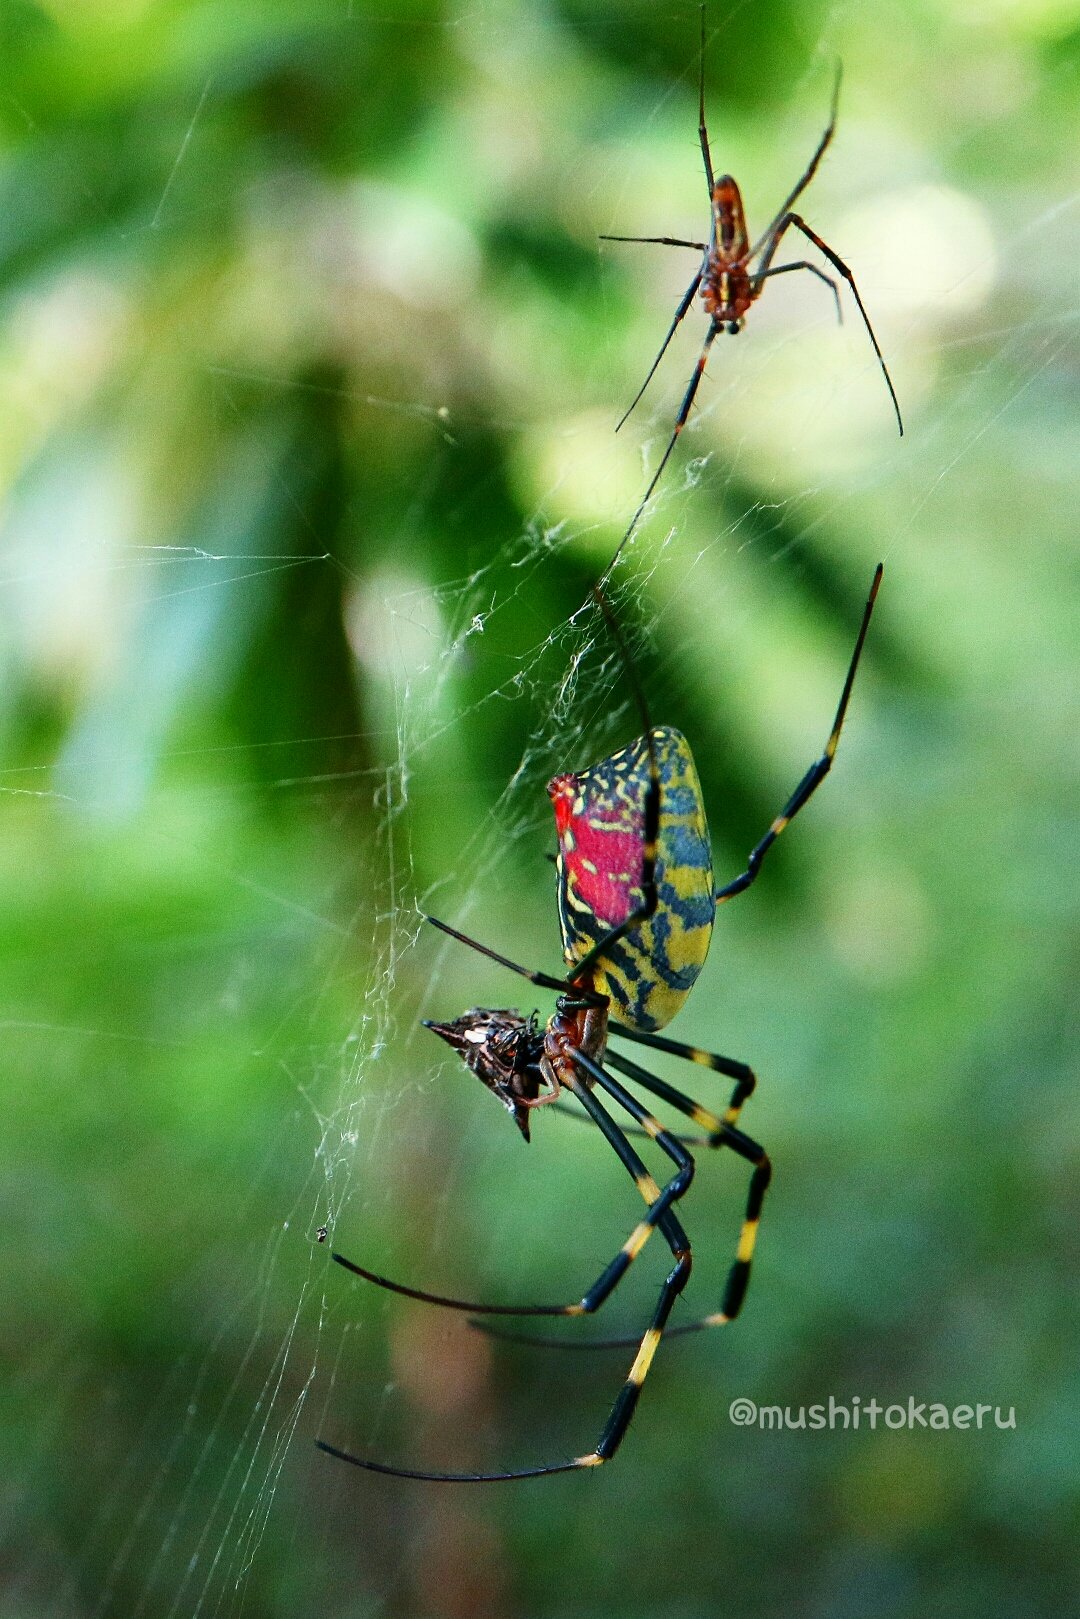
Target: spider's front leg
<point x="817" y="772"/>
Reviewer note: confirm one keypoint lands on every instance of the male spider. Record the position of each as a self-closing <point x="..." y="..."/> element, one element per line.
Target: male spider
<point x="636" y="909"/>
<point x="730" y="280"/>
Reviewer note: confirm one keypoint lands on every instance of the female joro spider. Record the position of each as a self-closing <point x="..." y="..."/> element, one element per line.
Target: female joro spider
<point x="636" y="908"/>
<point x="733" y="272"/>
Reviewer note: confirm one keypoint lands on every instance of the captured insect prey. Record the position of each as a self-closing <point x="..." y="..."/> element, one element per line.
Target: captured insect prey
<point x="637" y="903"/>
<point x="733" y="273"/>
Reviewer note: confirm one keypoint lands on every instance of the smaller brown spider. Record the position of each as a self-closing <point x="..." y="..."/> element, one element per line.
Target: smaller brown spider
<point x="733" y="272"/>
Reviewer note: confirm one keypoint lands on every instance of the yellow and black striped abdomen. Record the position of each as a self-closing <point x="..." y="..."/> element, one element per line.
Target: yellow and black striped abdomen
<point x="600" y="816"/>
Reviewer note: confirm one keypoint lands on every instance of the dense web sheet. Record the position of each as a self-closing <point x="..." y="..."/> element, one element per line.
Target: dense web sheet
<point x="281" y="1364"/>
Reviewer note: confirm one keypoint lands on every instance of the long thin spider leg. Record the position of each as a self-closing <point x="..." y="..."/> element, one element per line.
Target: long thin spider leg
<point x="741" y="1072"/>
<point x="703" y="134"/>
<point x="702" y="1116"/>
<point x="653" y="1129"/>
<point x="659" y="1204"/>
<point x="659" y="241"/>
<point x="801" y="264"/>
<point x="734" y="1288"/>
<point x="817" y="771"/>
<point x="739" y="1275"/>
<point x="774" y="231"/>
<point x="684" y="305"/>
<point x="453" y="1478"/>
<point x="838" y="264"/>
<point x="658" y="1200"/>
<point x="722" y="1134"/>
<point x="450" y="1303"/>
<point x="543" y="980"/>
<point x="614" y="1429"/>
<point x="626" y="1401"/>
<point x="680" y="423"/>
<point x="631" y="1131"/>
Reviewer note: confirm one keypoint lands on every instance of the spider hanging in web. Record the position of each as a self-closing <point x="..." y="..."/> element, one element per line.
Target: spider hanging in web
<point x="733" y="272"/>
<point x="637" y="902"/>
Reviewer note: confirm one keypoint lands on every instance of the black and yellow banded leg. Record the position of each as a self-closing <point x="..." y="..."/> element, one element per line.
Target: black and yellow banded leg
<point x="626" y="1403"/>
<point x="657" y="1199"/>
<point x="673" y="1145"/>
<point x="738" y="1277"/>
<point x="665" y="1221"/>
<point x="657" y="1216"/>
<point x="817" y="771"/>
<point x="633" y="1131"/>
<point x="721" y="1134"/>
<point x="614" y="1429"/>
<point x="714" y="1126"/>
<point x="741" y="1072"/>
<point x="739" y="1274"/>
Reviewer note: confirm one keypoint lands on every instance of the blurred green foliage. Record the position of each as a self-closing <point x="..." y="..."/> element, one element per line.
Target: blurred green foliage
<point x="310" y="361"/>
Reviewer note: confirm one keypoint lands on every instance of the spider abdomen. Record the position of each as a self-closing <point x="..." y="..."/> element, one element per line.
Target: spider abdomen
<point x="729" y="219"/>
<point x="600" y="816"/>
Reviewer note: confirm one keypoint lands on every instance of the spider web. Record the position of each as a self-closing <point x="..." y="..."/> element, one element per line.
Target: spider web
<point x="788" y="452"/>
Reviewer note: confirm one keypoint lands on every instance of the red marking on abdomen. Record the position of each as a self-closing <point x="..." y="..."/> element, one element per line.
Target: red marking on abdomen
<point x="616" y="855"/>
